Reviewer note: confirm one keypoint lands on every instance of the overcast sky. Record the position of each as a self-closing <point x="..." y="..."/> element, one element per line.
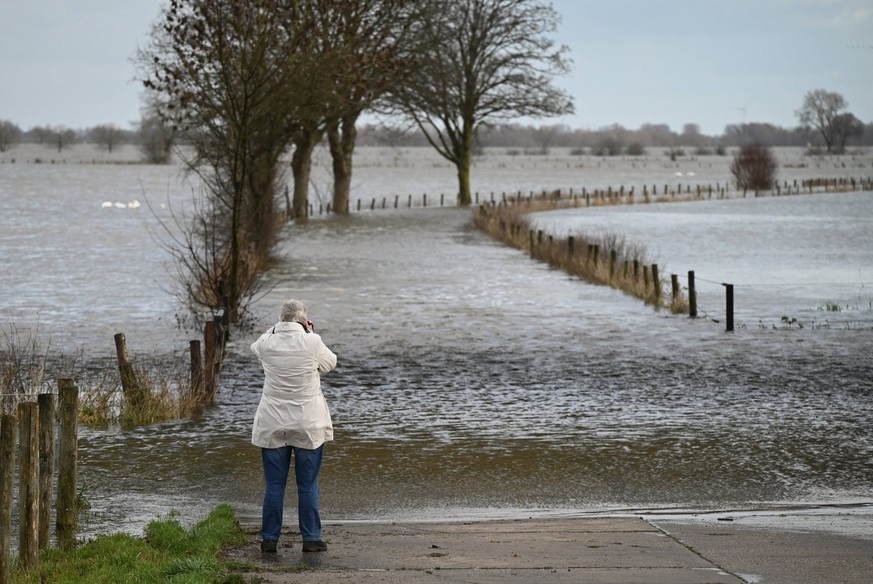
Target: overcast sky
<point x="710" y="62"/>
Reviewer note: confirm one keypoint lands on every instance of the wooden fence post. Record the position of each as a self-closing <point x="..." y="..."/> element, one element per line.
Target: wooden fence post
<point x="196" y="369"/>
<point x="47" y="420"/>
<point x="656" y="283"/>
<point x="209" y="350"/>
<point x="129" y="384"/>
<point x="68" y="453"/>
<point x="729" y="307"/>
<point x="28" y="485"/>
<point x="8" y="424"/>
<point x="570" y="244"/>
<point x="674" y="285"/>
<point x="692" y="295"/>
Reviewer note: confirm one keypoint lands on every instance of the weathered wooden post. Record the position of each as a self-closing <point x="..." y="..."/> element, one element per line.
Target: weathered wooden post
<point x="28" y="485"/>
<point x="132" y="393"/>
<point x="729" y="307"/>
<point x="596" y="254"/>
<point x="359" y="204"/>
<point x="209" y="354"/>
<point x="373" y="204"/>
<point x="674" y="284"/>
<point x="570" y="243"/>
<point x="612" y="260"/>
<point x="397" y="201"/>
<point x="47" y="420"/>
<point x="8" y="424"/>
<point x="656" y="283"/>
<point x="424" y="200"/>
<point x="196" y="369"/>
<point x="692" y="295"/>
<point x="68" y="454"/>
<point x="532" y="244"/>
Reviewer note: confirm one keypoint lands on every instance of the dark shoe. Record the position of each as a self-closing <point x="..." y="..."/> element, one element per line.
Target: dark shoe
<point x="268" y="546"/>
<point x="314" y="546"/>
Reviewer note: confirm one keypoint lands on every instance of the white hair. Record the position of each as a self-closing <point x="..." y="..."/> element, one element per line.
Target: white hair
<point x="293" y="311"/>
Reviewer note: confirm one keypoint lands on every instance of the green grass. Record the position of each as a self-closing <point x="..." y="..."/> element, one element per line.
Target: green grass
<point x="168" y="553"/>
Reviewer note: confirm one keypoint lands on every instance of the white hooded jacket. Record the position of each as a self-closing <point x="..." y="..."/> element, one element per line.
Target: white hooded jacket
<point x="292" y="411"/>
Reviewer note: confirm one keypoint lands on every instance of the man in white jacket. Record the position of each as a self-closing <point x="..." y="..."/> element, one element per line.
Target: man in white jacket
<point x="292" y="418"/>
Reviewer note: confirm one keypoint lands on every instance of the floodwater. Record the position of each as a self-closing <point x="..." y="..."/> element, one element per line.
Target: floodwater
<point x="474" y="382"/>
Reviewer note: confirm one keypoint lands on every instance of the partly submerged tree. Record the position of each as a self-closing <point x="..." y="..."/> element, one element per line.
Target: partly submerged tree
<point x="107" y="136"/>
<point x="10" y="134"/>
<point x="845" y="126"/>
<point x="227" y="74"/>
<point x="156" y="137"/>
<point x="818" y="113"/>
<point x="483" y="62"/>
<point x="754" y="168"/>
<point x="60" y="137"/>
<point x="375" y="46"/>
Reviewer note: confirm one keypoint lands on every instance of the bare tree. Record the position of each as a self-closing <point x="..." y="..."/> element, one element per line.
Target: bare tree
<point x="107" y="136"/>
<point x="754" y="168"/>
<point x="156" y="138"/>
<point x="10" y="134"/>
<point x="374" y="51"/>
<point x="483" y="62"/>
<point x="60" y="137"/>
<point x="818" y="112"/>
<point x="230" y="75"/>
<point x="845" y="126"/>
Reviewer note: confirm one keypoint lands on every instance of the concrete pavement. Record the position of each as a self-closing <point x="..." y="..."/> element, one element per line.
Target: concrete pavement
<point x="606" y="550"/>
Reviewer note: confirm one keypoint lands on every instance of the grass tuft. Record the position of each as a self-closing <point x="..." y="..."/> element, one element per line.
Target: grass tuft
<point x="168" y="553"/>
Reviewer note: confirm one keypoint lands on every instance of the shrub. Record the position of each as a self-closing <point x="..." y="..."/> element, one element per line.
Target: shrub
<point x="754" y="168"/>
<point x="636" y="149"/>
<point x="607" y="147"/>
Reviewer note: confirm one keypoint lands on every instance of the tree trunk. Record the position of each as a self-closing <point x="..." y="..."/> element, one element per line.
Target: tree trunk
<point x="234" y="288"/>
<point x="301" y="167"/>
<point x="342" y="136"/>
<point x="465" y="156"/>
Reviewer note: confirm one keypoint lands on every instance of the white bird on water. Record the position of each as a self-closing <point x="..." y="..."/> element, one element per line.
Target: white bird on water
<point x="134" y="204"/>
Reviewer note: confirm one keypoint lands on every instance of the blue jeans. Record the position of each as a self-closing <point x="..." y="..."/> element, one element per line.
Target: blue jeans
<point x="277" y="463"/>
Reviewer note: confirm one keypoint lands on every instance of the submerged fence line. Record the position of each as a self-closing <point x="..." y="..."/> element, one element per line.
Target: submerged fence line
<point x="609" y="261"/>
<point x="648" y="193"/>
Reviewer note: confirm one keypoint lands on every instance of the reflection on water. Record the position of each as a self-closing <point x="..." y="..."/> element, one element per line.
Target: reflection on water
<point x="473" y="381"/>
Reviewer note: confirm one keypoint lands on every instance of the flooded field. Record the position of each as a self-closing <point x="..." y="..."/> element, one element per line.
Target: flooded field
<point x="472" y="381"/>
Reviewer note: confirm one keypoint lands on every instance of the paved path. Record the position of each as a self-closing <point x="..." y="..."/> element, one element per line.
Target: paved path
<point x="585" y="550"/>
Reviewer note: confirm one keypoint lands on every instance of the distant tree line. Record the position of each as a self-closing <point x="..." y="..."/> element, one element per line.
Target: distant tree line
<point x="156" y="139"/>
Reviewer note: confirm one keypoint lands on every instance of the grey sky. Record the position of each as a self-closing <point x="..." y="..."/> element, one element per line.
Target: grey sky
<point x="710" y="62"/>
